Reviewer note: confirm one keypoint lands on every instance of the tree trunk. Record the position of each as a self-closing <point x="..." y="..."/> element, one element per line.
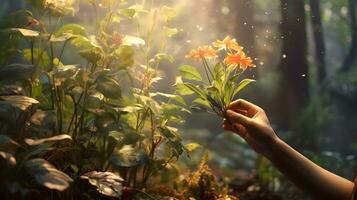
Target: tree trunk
<point x="351" y="57"/>
<point x="318" y="39"/>
<point x="294" y="91"/>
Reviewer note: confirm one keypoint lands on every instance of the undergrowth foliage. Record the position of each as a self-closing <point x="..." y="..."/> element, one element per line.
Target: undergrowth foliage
<point x="78" y="131"/>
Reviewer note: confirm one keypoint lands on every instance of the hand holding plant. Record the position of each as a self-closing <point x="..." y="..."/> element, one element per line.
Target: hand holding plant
<point x="216" y="91"/>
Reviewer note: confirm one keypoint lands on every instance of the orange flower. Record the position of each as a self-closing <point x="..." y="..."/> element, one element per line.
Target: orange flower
<point x="239" y="59"/>
<point x="202" y="52"/>
<point x="33" y="22"/>
<point x="227" y="44"/>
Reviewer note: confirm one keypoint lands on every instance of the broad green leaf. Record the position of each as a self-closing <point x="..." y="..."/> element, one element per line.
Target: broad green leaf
<point x="129" y="109"/>
<point x="168" y="13"/>
<point x="20" y="102"/>
<point x="74" y="29"/>
<point x="25" y="32"/>
<point x="125" y="55"/>
<point x="198" y="91"/>
<point x="17" y="72"/>
<point x="181" y="88"/>
<point x="128" y="12"/>
<point x="169" y="133"/>
<point x="163" y="56"/>
<point x="62" y="38"/>
<point x="83" y="42"/>
<point x="154" y="94"/>
<point x="218" y="73"/>
<point x="40" y="57"/>
<point x="177" y="147"/>
<point x="190" y="73"/>
<point x="65" y="71"/>
<point x="108" y="87"/>
<point x="47" y="175"/>
<point x="202" y="102"/>
<point x="33" y="142"/>
<point x="93" y="55"/>
<point x="242" y="85"/>
<point x="180" y="100"/>
<point x="128" y="156"/>
<point x="107" y="183"/>
<point x="169" y="32"/>
<point x="192" y="146"/>
<point x="126" y="138"/>
<point x="133" y="41"/>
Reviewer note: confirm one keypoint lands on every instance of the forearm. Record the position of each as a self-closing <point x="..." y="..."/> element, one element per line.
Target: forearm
<point x="311" y="178"/>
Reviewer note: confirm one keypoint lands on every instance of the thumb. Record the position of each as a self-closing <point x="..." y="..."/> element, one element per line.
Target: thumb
<point x="235" y="117"/>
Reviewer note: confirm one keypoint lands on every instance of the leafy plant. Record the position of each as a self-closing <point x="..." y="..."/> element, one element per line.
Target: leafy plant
<point x="217" y="90"/>
<point x="103" y="120"/>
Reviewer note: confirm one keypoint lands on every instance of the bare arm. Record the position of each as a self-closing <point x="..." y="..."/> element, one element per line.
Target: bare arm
<point x="251" y="123"/>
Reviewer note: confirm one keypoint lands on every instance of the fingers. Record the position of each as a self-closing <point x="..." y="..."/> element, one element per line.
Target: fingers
<point x="237" y="128"/>
<point x="235" y="117"/>
<point x="242" y="104"/>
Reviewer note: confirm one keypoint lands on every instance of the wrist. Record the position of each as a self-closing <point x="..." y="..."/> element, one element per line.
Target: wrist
<point x="273" y="148"/>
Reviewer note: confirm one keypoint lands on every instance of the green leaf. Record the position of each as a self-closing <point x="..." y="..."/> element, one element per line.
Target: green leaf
<point x="191" y="147"/>
<point x="163" y="56"/>
<point x="107" y="183"/>
<point x="56" y="138"/>
<point x="190" y="73"/>
<point x="74" y="29"/>
<point x="17" y="72"/>
<point x="128" y="12"/>
<point x="169" y="132"/>
<point x="93" y="55"/>
<point x="65" y="71"/>
<point x="47" y="175"/>
<point x="20" y="102"/>
<point x="198" y="91"/>
<point x="202" y="102"/>
<point x="128" y="156"/>
<point x="125" y="55"/>
<point x="168" y="13"/>
<point x="218" y="73"/>
<point x="181" y="88"/>
<point x="83" y="42"/>
<point x="129" y="40"/>
<point x="25" y="32"/>
<point x="169" y="32"/>
<point x="108" y="87"/>
<point x="126" y="138"/>
<point x="242" y="85"/>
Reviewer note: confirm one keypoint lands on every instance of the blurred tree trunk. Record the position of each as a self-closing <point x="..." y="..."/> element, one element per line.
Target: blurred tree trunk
<point x="351" y="57"/>
<point x="294" y="91"/>
<point x="318" y="39"/>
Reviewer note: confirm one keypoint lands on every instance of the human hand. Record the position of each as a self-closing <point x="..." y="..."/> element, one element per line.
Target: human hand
<point x="251" y="123"/>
